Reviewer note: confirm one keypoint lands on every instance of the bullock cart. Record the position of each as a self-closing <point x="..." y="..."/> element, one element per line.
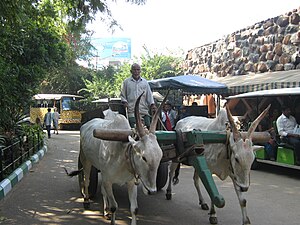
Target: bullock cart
<point x="186" y="147"/>
<point x="177" y="145"/>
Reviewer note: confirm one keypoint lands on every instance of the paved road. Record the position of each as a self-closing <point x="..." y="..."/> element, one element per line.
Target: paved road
<point x="47" y="196"/>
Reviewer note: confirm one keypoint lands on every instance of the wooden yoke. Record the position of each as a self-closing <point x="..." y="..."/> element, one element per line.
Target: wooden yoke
<point x="122" y="135"/>
<point x="112" y="135"/>
<point x="258" y="137"/>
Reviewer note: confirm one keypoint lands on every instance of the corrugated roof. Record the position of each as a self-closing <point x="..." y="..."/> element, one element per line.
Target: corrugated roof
<point x="269" y="93"/>
<point x="262" y="81"/>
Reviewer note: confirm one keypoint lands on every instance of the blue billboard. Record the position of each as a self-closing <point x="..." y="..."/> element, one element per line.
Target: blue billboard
<point x="116" y="48"/>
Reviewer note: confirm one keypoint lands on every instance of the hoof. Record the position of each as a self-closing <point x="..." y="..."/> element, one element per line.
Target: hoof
<point x="213" y="220"/>
<point x="247" y="222"/>
<point x="86" y="205"/>
<point x="204" y="206"/>
<point x="107" y="216"/>
<point x="168" y="196"/>
<point x="175" y="180"/>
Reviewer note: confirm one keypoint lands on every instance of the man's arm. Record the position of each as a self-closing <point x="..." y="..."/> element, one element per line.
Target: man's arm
<point x="124" y="94"/>
<point x="282" y="131"/>
<point x="149" y="97"/>
<point x="280" y="127"/>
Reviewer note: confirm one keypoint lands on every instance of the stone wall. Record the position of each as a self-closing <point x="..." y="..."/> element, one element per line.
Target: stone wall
<point x="270" y="45"/>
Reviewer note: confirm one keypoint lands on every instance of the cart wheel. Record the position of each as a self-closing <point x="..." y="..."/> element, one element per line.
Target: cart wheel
<point x="93" y="180"/>
<point x="162" y="175"/>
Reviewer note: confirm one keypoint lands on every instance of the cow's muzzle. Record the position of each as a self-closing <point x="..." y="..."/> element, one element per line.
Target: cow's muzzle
<point x="242" y="188"/>
<point x="149" y="191"/>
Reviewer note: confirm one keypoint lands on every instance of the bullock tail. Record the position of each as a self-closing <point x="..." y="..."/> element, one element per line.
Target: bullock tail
<point x="73" y="173"/>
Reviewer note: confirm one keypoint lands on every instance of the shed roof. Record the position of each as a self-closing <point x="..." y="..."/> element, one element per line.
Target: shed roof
<point x="262" y="81"/>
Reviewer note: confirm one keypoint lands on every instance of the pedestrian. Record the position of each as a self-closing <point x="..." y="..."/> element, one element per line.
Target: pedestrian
<point x="286" y="125"/>
<point x="132" y="88"/>
<point x="169" y="116"/>
<point x="55" y="120"/>
<point x="48" y="121"/>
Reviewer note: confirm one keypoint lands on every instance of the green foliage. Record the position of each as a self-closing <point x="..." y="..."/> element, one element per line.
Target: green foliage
<point x="39" y="43"/>
<point x="33" y="131"/>
<point x="107" y="82"/>
<point x="28" y="50"/>
<point x="101" y="84"/>
<point x="66" y="79"/>
<point x="160" y="66"/>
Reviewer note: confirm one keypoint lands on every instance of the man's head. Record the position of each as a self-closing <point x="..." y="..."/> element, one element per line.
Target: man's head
<point x="135" y="71"/>
<point x="49" y="109"/>
<point x="286" y="110"/>
<point x="167" y="106"/>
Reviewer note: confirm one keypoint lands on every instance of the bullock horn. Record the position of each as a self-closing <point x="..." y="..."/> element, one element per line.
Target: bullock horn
<point x="257" y="121"/>
<point x="236" y="133"/>
<point x="139" y="127"/>
<point x="156" y="115"/>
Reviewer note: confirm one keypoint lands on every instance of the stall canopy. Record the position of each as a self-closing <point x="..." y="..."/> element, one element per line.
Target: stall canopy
<point x="269" y="93"/>
<point x="263" y="81"/>
<point x="189" y="84"/>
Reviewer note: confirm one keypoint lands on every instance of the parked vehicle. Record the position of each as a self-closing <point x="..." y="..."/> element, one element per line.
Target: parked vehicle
<point x="67" y="106"/>
<point x="248" y="105"/>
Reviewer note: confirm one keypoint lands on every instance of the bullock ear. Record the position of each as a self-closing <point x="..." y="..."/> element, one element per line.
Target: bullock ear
<point x="131" y="140"/>
<point x="134" y="145"/>
<point x="257" y="147"/>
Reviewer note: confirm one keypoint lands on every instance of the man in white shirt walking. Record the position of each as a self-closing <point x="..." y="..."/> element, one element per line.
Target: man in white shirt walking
<point x="55" y="120"/>
<point x="286" y="124"/>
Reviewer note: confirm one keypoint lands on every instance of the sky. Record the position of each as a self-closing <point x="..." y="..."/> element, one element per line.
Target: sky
<point x="170" y="25"/>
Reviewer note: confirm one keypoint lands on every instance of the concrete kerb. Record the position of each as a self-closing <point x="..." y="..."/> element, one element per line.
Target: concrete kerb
<point x="8" y="183"/>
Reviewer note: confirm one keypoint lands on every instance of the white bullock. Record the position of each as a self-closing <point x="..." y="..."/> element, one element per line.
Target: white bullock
<point x="120" y="162"/>
<point x="233" y="159"/>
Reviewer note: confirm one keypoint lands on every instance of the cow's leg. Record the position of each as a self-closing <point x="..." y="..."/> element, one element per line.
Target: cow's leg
<point x="87" y="166"/>
<point x="173" y="167"/>
<point x="243" y="203"/>
<point x="132" y="193"/>
<point x="86" y="174"/>
<point x="212" y="214"/>
<point x="112" y="204"/>
<point x="202" y="203"/>
<point x="106" y="211"/>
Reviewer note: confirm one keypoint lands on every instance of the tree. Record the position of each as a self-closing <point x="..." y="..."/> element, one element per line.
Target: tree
<point x="40" y="38"/>
<point x="153" y="67"/>
<point x="28" y="49"/>
<point x="100" y="86"/>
